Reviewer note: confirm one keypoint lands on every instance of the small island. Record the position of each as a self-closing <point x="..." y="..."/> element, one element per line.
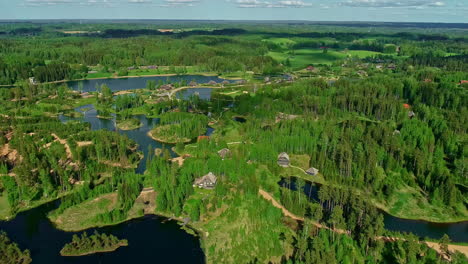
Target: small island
<point x="179" y="127"/>
<point x="167" y="134"/>
<point x="87" y="245"/>
<point x="129" y="124"/>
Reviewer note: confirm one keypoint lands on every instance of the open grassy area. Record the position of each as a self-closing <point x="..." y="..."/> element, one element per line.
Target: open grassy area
<point x="129" y="124"/>
<point x="82" y="216"/>
<point x="230" y="233"/>
<point x="304" y="57"/>
<point x="410" y="204"/>
<point x="362" y="53"/>
<point x="4" y="207"/>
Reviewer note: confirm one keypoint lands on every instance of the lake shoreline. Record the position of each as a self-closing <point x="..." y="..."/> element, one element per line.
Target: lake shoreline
<point x="379" y="206"/>
<point x="164" y="141"/>
<point x="136" y="76"/>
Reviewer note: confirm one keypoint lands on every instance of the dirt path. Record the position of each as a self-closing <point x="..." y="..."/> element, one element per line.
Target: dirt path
<point x="270" y="198"/>
<point x="292" y="166"/>
<point x="286" y="212"/>
<point x="11" y="154"/>
<point x="123" y="92"/>
<point x="65" y="144"/>
<point x="453" y="248"/>
<point x="84" y="143"/>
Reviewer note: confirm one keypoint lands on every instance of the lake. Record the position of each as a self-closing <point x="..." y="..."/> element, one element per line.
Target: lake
<point x="150" y="238"/>
<point x="123" y="84"/>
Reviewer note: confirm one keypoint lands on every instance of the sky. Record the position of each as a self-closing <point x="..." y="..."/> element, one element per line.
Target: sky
<point x="311" y="10"/>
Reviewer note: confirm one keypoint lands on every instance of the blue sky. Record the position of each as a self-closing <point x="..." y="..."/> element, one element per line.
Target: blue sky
<point x="313" y="10"/>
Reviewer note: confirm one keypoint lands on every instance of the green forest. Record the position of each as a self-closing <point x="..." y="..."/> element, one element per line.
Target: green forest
<point x="382" y="116"/>
<point x="85" y="245"/>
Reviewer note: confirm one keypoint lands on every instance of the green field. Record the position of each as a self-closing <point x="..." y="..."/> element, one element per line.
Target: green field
<point x="363" y="53"/>
<point x="304" y="57"/>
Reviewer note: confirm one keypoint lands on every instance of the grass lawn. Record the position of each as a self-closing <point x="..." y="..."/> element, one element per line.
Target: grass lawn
<point x="362" y="53"/>
<point x="129" y="124"/>
<point x="231" y="232"/>
<point x="82" y="216"/>
<point x="4" y="207"/>
<point x="281" y="41"/>
<point x="409" y="203"/>
<point x="304" y="57"/>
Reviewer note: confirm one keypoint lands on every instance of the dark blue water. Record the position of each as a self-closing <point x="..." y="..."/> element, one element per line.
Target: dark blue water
<point x="458" y="232"/>
<point x="149" y="238"/>
<point x="140" y="82"/>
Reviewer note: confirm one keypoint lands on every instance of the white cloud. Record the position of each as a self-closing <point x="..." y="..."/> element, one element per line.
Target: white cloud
<point x="70" y="2"/>
<point x="179" y="3"/>
<point x="139" y="1"/>
<point x="294" y="3"/>
<point x="269" y="4"/>
<point x="392" y="3"/>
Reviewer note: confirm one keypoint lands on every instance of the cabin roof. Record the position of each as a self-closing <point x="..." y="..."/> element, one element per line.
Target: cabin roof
<point x="283" y="155"/>
<point x="223" y="152"/>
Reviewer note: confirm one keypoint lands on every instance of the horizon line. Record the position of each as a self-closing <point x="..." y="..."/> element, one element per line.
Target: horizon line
<point x="225" y="20"/>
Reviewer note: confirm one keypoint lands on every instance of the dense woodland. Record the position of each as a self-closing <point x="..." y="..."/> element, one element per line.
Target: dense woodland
<point x="386" y="127"/>
<point x="10" y="253"/>
<point x="85" y="245"/>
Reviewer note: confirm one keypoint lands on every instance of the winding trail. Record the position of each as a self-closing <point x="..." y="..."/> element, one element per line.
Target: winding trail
<point x="267" y="196"/>
<point x="292" y="166"/>
<point x="65" y="144"/>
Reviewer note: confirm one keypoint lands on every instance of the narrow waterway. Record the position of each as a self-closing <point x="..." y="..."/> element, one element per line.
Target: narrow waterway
<point x="458" y="232"/>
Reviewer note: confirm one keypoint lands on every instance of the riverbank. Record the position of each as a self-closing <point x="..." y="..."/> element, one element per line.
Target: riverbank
<point x="407" y="207"/>
<point x="452" y="247"/>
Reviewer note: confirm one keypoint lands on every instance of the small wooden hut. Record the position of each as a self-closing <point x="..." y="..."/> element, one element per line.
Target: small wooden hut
<point x="283" y="159"/>
<point x="312" y="171"/>
<point x="224" y="153"/>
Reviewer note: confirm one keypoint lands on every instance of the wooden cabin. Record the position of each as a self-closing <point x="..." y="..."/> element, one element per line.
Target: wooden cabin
<point x="193" y="83"/>
<point x="206" y="182"/>
<point x="312" y="171"/>
<point x="283" y="159"/>
<point x="411" y="114"/>
<point x="224" y="153"/>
